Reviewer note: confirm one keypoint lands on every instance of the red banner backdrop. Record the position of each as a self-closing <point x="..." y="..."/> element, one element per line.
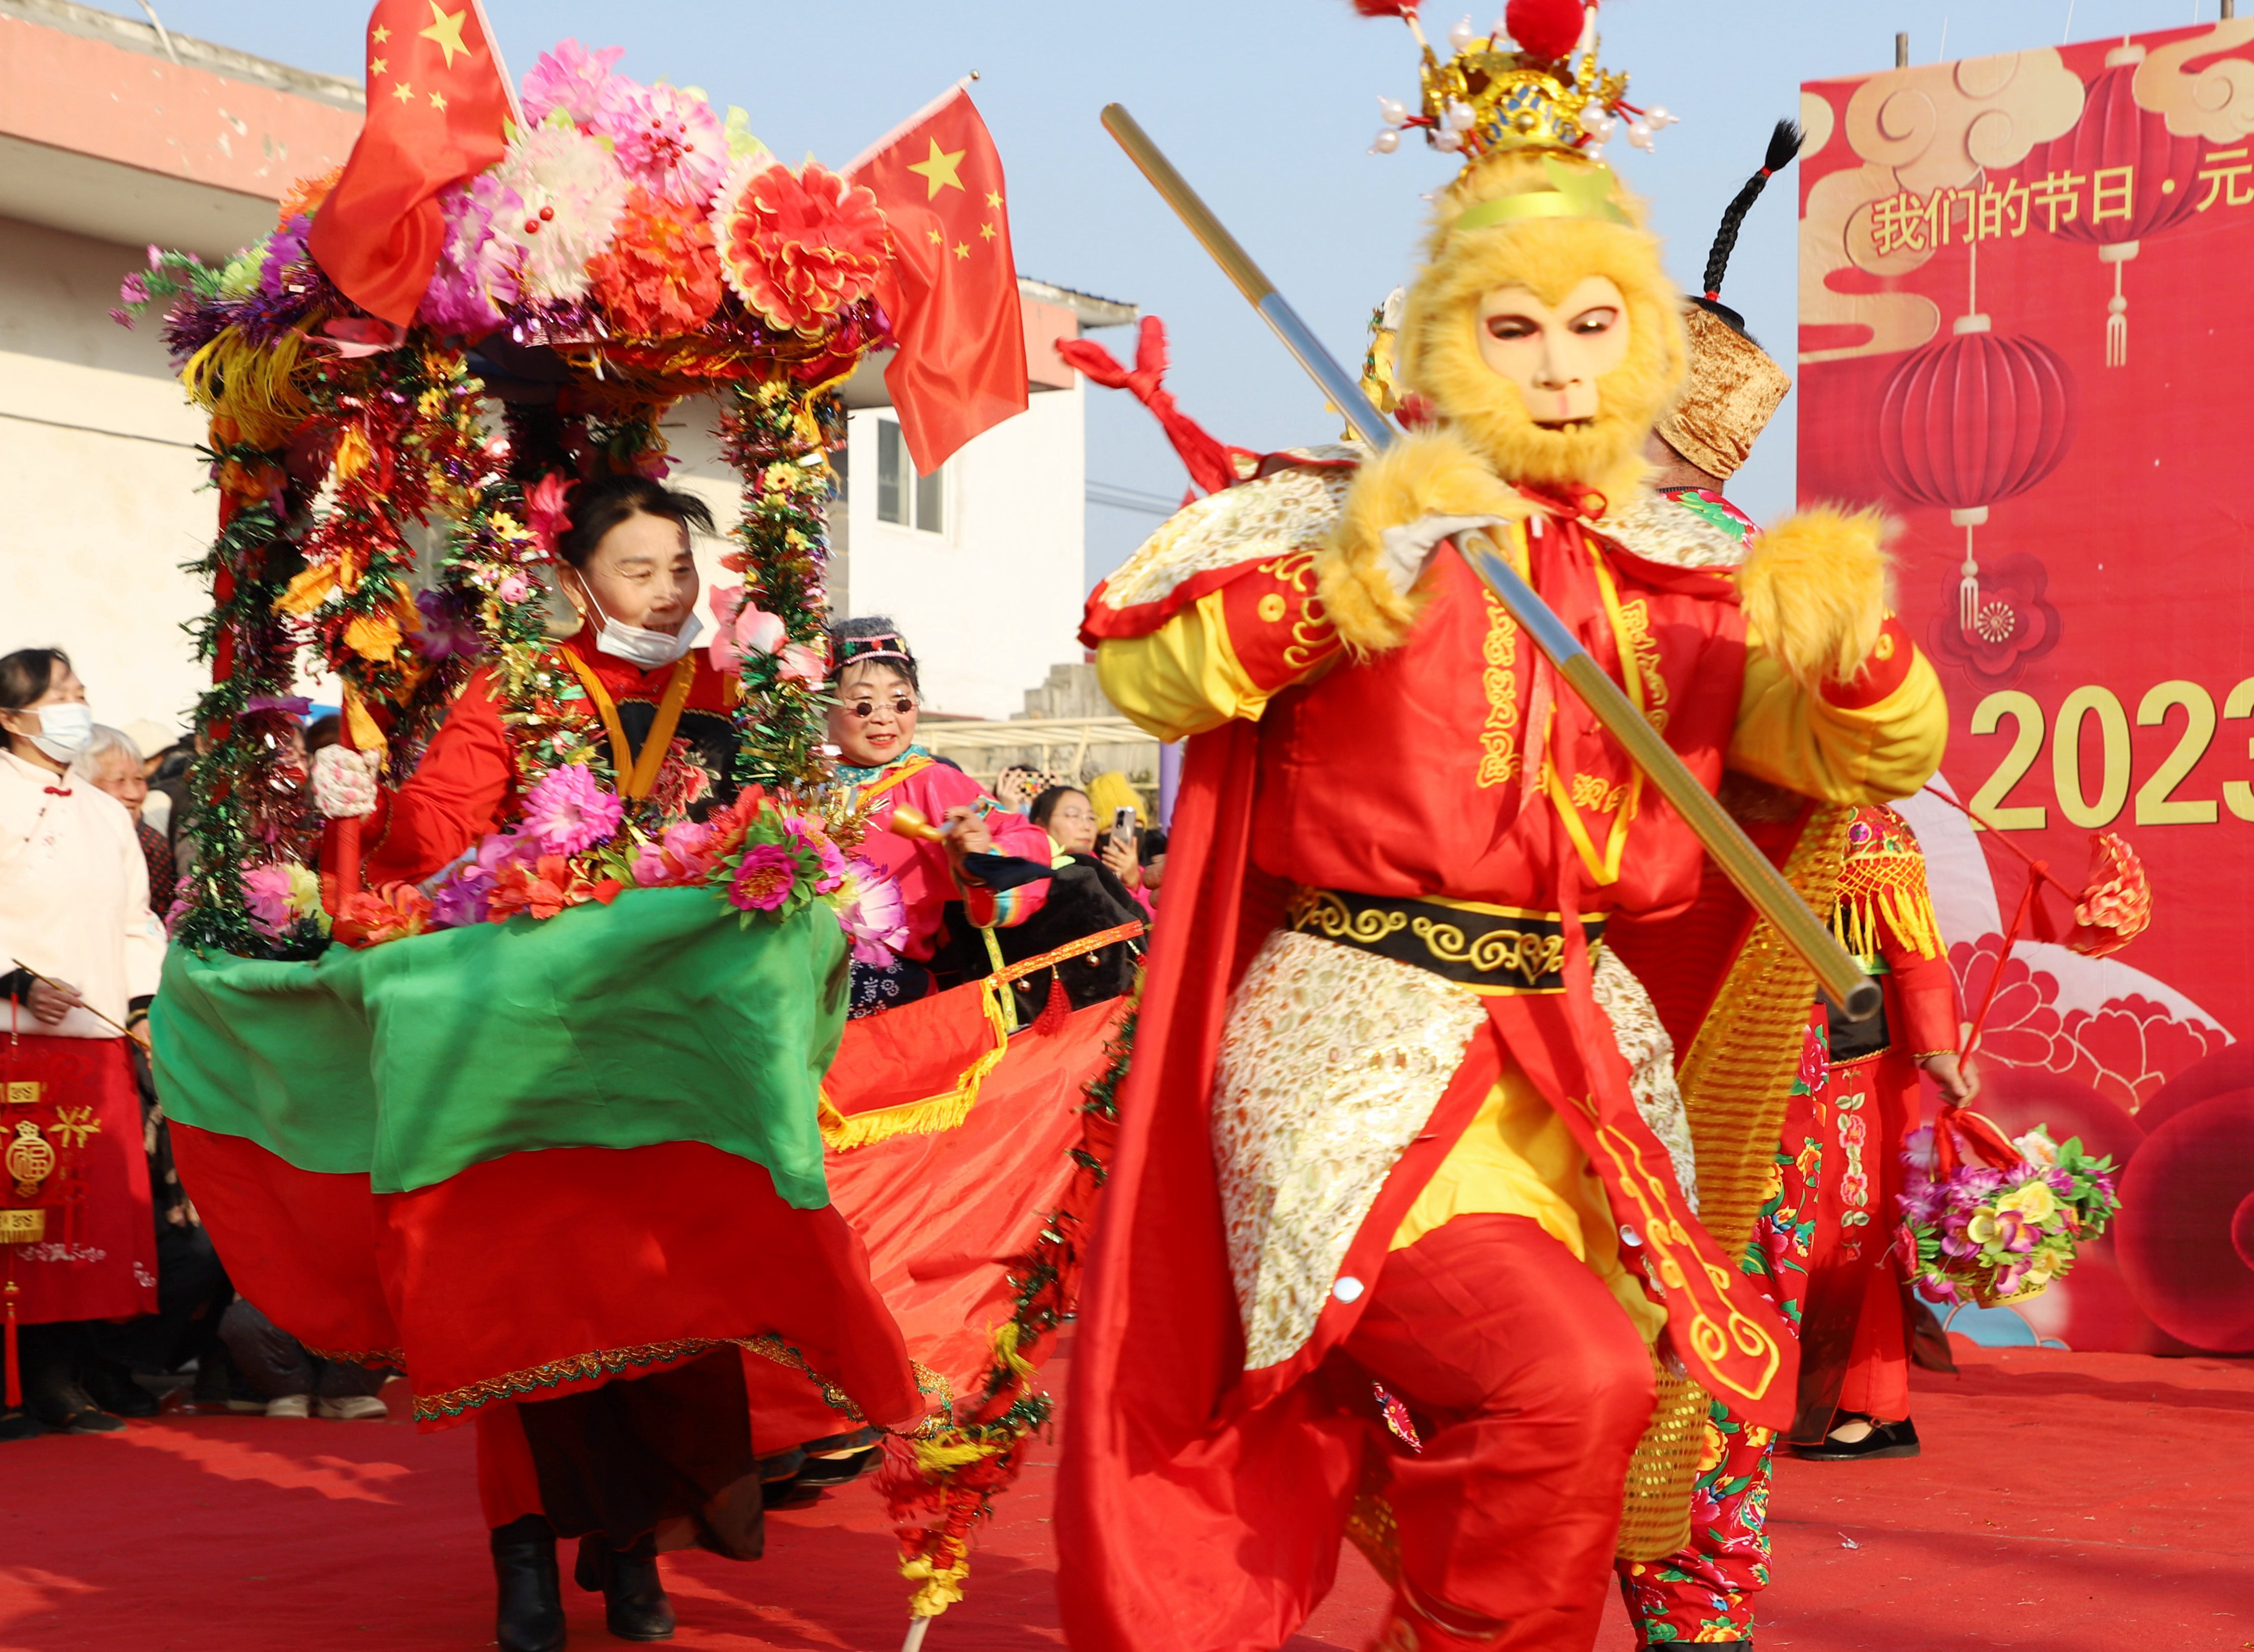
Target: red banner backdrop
<point x="2026" y="330"/>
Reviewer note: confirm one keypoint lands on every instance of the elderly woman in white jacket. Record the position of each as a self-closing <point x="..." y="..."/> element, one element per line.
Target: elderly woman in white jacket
<point x="80" y="955"/>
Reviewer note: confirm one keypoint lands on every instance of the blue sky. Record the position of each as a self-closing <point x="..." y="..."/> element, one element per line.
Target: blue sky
<point x="1268" y="105"/>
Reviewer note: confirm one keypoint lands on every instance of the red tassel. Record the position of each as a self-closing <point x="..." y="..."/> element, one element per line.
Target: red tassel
<point x="15" y="1362"/>
<point x="1547" y="28"/>
<point x="1052" y="1012"/>
<point x="1386" y="8"/>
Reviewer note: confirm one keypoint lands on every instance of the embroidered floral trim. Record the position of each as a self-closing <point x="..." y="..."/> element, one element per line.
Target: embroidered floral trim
<point x="371" y="1357"/>
<point x="1661" y="530"/>
<point x="1499" y="760"/>
<point x="1287" y="511"/>
<point x="603" y="1364"/>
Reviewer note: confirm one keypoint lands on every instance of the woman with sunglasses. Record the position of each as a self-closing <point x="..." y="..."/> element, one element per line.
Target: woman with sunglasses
<point x="872" y="723"/>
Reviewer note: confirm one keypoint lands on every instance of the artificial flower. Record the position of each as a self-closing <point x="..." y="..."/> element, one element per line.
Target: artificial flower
<point x="447" y="632"/>
<point x="872" y="912"/>
<point x="661" y="276"/>
<point x="2117" y="903"/>
<point x="684" y="854"/>
<point x="266" y="892"/>
<point x="475" y="281"/>
<point x="804" y="835"/>
<point x="2034" y="1202"/>
<point x="547" y="509"/>
<point x="570" y="79"/>
<point x="667" y="140"/>
<point x="569" y="810"/>
<point x="804" y="662"/>
<point x="569" y="192"/>
<point x="285" y="248"/>
<point x="798" y="247"/>
<point x="544" y="888"/>
<point x="682" y="781"/>
<point x="373" y="916"/>
<point x="745" y="629"/>
<point x="763" y="880"/>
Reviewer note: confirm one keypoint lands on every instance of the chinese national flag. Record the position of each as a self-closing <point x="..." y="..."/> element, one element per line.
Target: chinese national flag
<point x="437" y="99"/>
<point x="951" y="289"/>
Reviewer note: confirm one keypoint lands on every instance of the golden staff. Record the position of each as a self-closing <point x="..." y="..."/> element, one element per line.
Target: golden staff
<point x="1840" y="977"/>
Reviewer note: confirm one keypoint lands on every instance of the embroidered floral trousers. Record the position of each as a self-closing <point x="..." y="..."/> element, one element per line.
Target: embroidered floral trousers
<point x="1705" y="1591"/>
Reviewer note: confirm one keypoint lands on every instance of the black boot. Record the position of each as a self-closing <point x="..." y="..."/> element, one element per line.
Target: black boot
<point x="531" y="1610"/>
<point x="633" y="1598"/>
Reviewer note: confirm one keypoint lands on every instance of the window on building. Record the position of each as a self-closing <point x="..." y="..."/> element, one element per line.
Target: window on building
<point x="904" y="496"/>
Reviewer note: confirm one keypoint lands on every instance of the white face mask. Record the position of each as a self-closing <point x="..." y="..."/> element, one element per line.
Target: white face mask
<point x="64" y="730"/>
<point x="638" y="646"/>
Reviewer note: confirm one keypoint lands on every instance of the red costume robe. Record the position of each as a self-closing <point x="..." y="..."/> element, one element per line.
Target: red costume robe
<point x="1207" y="1480"/>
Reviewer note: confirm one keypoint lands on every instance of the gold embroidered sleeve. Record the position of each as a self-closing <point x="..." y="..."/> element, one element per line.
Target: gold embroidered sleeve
<point x="1226" y="656"/>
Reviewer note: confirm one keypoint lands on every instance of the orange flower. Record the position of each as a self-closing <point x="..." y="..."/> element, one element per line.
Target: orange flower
<point x="661" y="276"/>
<point x="543" y="890"/>
<point x="374" y="916"/>
<point x="2117" y="903"/>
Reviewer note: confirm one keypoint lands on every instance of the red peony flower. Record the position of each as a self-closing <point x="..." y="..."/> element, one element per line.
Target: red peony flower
<point x="799" y="247"/>
<point x="661" y="276"/>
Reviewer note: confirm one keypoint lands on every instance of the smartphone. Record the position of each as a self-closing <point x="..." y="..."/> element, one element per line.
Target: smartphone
<point x="1123" y="823"/>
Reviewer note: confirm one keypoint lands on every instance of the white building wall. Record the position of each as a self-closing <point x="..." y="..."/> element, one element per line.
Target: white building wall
<point x="102" y="494"/>
<point x="995" y="601"/>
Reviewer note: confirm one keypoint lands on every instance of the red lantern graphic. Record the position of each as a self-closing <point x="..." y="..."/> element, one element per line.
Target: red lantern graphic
<point x="1969" y="422"/>
<point x="2120" y="176"/>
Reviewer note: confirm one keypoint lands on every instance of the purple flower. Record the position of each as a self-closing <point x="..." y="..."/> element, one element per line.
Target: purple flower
<point x="134" y="288"/>
<point x="475" y="280"/>
<point x="295" y="704"/>
<point x="569" y="811"/>
<point x="285" y="249"/>
<point x="764" y="877"/>
<point x="461" y="900"/>
<point x="446" y="631"/>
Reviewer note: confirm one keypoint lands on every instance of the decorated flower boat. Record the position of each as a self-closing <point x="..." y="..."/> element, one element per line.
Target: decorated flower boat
<point x="570" y="1111"/>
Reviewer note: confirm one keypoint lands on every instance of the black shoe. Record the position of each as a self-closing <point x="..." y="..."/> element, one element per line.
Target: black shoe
<point x="634" y="1597"/>
<point x="837" y="1471"/>
<point x="20" y="1424"/>
<point x="1885" y="1439"/>
<point x="114" y="1390"/>
<point x="530" y="1618"/>
<point x="69" y="1409"/>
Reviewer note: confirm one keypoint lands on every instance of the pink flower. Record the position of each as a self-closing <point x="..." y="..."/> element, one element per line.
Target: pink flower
<point x="547" y="509"/>
<point x="872" y="914"/>
<point x="746" y="628"/>
<point x="670" y="142"/>
<point x="804" y="662"/>
<point x="513" y="588"/>
<point x="266" y="892"/>
<point x="805" y="835"/>
<point x="764" y="877"/>
<point x="683" y="855"/>
<point x="572" y="79"/>
<point x="569" y="810"/>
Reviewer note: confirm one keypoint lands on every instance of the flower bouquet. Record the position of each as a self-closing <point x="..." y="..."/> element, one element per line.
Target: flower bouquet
<point x="1988" y="1233"/>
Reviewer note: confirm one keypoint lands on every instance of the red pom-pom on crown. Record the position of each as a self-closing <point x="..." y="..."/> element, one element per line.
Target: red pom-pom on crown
<point x="1387" y="8"/>
<point x="1546" y="29"/>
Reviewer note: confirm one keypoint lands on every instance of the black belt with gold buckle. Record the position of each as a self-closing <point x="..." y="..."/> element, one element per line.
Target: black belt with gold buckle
<point x="1493" y="949"/>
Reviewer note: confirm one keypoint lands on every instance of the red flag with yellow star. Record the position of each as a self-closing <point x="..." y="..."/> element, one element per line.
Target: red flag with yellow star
<point x="951" y="289"/>
<point x="437" y="99"/>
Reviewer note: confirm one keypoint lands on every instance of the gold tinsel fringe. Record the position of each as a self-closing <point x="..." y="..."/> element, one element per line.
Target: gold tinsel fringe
<point x="1737" y="1081"/>
<point x="253" y="385"/>
<point x="1862" y="920"/>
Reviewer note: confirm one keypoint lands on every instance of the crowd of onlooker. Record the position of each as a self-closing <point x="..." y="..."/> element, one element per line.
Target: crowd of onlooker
<point x="83" y="884"/>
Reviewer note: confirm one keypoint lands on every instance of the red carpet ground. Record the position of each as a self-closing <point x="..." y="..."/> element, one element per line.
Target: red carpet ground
<point x="2066" y="1502"/>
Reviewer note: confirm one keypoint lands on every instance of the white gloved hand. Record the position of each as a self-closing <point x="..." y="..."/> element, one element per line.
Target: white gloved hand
<point x="1406" y="550"/>
<point x="344" y="782"/>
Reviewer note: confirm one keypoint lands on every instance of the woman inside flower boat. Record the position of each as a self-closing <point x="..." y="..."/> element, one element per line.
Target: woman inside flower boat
<point x="873" y="726"/>
<point x="625" y="569"/>
<point x="613" y="1464"/>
